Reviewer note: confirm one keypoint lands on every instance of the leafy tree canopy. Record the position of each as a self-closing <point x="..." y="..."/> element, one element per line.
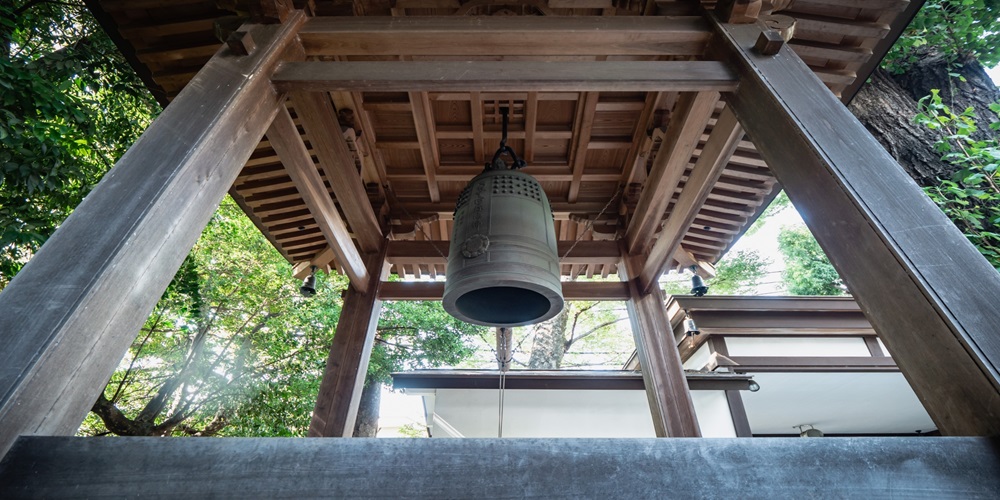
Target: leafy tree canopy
<point x="232" y="348"/>
<point x="962" y="29"/>
<point x="807" y="270"/>
<point x="69" y="107"/>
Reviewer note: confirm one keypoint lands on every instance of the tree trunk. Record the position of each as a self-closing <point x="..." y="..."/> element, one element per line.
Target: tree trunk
<point x="367" y="423"/>
<point x="887" y="104"/>
<point x="549" y="344"/>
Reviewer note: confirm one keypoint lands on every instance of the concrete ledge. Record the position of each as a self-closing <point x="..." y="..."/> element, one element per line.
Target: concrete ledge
<point x="931" y="467"/>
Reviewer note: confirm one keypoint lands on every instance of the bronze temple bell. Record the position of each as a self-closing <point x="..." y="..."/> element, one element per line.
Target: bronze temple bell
<point x="503" y="269"/>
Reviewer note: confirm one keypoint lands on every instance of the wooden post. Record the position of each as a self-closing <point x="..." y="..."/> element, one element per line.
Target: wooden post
<point x="69" y="316"/>
<point x="662" y="371"/>
<point x="926" y="290"/>
<point x="344" y="377"/>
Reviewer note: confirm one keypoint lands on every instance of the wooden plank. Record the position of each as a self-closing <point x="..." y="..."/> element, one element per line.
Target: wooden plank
<point x="476" y="108"/>
<point x="125" y="242"/>
<point x="662" y="371"/>
<point x="572" y="290"/>
<point x="889" y="467"/>
<point x="721" y="145"/>
<point x="587" y="106"/>
<point x="808" y="364"/>
<point x="504" y="76"/>
<point x="927" y="291"/>
<point x="504" y="36"/>
<point x="691" y="115"/>
<point x="287" y="142"/>
<point x="344" y="377"/>
<point x="423" y="121"/>
<point x="319" y="120"/>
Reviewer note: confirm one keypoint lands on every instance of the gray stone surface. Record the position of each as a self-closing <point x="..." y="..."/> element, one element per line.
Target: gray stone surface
<point x="929" y="467"/>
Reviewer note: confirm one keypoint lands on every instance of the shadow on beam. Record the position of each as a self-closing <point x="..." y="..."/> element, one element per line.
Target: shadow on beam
<point x="930" y="467"/>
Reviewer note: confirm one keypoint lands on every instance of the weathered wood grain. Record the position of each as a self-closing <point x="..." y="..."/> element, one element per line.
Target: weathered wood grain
<point x="344" y="377"/>
<point x="692" y="113"/>
<point x="69" y="316"/>
<point x="287" y="143"/>
<point x="896" y="467"/>
<point x="721" y="145"/>
<point x="927" y="291"/>
<point x="505" y="36"/>
<point x="662" y="371"/>
<point x="504" y="76"/>
<point x="323" y="130"/>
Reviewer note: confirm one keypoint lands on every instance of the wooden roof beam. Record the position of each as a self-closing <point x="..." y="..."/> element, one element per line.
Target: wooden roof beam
<point x="323" y="130"/>
<point x="721" y="144"/>
<point x="285" y="138"/>
<point x="691" y="115"/>
<point x="505" y="76"/>
<point x="423" y="122"/>
<point x="424" y="252"/>
<point x="586" y="107"/>
<point x="486" y="36"/>
<point x="572" y="290"/>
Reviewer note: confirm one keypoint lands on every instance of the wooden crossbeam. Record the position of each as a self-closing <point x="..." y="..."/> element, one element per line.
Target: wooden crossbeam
<point x="504" y="76"/>
<point x="430" y="252"/>
<point x="692" y="114"/>
<point x="287" y="143"/>
<point x="720" y="147"/>
<point x="572" y="290"/>
<point x="500" y="36"/>
<point x="323" y="130"/>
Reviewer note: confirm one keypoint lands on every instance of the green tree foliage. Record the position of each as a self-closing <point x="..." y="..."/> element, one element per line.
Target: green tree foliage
<point x="807" y="270"/>
<point x="232" y="348"/>
<point x="69" y="108"/>
<point x="971" y="197"/>
<point x="963" y="29"/>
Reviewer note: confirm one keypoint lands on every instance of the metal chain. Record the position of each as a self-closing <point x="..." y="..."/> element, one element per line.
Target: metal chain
<point x="590" y="222"/>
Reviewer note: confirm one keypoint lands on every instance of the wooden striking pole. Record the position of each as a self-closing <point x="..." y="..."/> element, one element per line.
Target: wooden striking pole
<point x="662" y="371"/>
<point x="926" y="290"/>
<point x="344" y="377"/>
<point x="70" y="315"/>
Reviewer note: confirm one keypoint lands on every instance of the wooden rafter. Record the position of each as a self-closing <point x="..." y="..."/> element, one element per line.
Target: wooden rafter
<point x="586" y="108"/>
<point x="692" y="114"/>
<point x="429" y="156"/>
<point x="323" y="130"/>
<point x="720" y="147"/>
<point x="288" y="144"/>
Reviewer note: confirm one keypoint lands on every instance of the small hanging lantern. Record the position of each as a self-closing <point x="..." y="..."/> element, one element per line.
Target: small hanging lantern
<point x="503" y="269"/>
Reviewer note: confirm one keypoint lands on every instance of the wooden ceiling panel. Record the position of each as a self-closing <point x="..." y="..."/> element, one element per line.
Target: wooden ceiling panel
<point x="583" y="152"/>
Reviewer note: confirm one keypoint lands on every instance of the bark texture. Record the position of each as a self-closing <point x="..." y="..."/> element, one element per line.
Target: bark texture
<point x="887" y="104"/>
<point x="549" y="344"/>
<point x="367" y="423"/>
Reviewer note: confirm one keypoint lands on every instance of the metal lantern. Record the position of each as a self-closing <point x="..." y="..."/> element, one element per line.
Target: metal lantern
<point x="503" y="269"/>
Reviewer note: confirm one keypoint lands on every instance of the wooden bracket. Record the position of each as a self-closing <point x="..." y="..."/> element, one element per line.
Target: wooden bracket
<point x="768" y="43"/>
<point x="241" y="43"/>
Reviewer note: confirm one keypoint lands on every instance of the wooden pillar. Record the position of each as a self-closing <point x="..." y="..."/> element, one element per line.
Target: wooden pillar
<point x="344" y="377"/>
<point x="662" y="371"/>
<point x="69" y="316"/>
<point x="927" y="291"/>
